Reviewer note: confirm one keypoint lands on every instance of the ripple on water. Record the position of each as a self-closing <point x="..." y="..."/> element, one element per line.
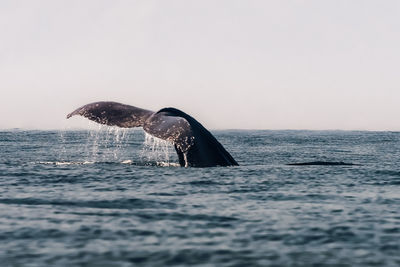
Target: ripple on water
<point x="132" y="203"/>
<point x="97" y="199"/>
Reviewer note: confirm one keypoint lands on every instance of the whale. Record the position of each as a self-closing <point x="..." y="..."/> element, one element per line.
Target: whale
<point x="194" y="144"/>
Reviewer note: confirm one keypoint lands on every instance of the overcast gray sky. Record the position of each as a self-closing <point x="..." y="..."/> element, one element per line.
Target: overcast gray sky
<point x="230" y="64"/>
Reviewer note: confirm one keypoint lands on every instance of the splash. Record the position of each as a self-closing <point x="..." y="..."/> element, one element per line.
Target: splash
<point x="103" y="144"/>
<point x="60" y="163"/>
<point x="156" y="149"/>
<point x="106" y="143"/>
<point x="113" y="144"/>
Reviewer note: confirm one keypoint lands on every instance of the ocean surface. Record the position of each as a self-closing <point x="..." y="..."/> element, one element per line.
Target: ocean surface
<point x="113" y="197"/>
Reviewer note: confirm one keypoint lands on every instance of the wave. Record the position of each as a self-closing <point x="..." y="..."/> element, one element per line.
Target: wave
<point x="128" y="162"/>
<point x="130" y="203"/>
<point x="324" y="163"/>
<point x="66" y="162"/>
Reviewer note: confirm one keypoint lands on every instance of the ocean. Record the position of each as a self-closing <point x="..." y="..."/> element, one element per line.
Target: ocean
<point x="115" y="197"/>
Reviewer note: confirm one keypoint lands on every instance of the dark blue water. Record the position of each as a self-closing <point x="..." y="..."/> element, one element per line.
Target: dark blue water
<point x="107" y="198"/>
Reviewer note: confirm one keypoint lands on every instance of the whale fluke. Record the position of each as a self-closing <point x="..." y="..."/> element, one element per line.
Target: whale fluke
<point x="113" y="114"/>
<point x="194" y="144"/>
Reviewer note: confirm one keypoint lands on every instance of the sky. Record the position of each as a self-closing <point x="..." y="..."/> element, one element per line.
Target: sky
<point x="314" y="64"/>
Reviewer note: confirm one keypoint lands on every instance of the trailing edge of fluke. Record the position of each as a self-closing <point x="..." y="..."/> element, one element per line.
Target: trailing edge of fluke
<point x="194" y="144"/>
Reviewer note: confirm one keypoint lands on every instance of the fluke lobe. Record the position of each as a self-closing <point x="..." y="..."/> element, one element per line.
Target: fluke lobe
<point x="195" y="145"/>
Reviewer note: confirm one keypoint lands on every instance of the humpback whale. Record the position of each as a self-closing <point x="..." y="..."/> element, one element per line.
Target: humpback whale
<point x="194" y="144"/>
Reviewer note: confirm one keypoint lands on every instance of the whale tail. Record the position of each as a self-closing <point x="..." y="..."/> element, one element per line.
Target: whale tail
<point x="194" y="144"/>
<point x="204" y="149"/>
<point x="113" y="114"/>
